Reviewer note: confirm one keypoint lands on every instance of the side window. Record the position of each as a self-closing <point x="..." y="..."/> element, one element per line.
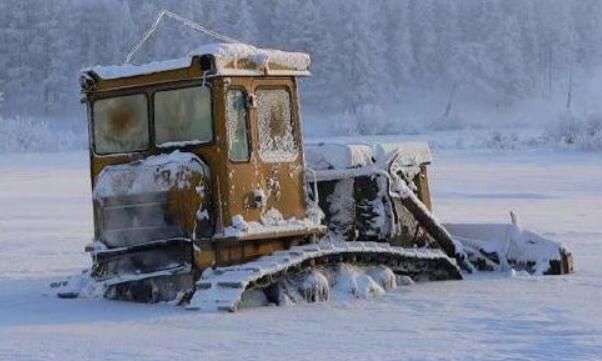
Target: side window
<point x="238" y="140"/>
<point x="121" y="124"/>
<point x="183" y="115"/>
<point x="274" y="117"/>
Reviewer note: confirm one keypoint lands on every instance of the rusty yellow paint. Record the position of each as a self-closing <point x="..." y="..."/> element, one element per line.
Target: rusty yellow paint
<point x="232" y="184"/>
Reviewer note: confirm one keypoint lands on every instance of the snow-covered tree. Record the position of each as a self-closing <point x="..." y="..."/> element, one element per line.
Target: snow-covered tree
<point x="364" y="53"/>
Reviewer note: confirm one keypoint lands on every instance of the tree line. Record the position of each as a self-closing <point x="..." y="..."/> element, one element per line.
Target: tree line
<point x="363" y="52"/>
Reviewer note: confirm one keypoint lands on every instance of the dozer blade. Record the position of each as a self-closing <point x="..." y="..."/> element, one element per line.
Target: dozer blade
<point x="493" y="247"/>
<point x="222" y="289"/>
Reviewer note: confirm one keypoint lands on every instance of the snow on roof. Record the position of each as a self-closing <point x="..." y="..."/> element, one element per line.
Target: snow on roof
<point x="328" y="156"/>
<point x="226" y="57"/>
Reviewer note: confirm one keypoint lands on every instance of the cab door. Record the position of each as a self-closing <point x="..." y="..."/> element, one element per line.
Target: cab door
<point x="265" y="162"/>
<point x="279" y="153"/>
<point x="242" y="179"/>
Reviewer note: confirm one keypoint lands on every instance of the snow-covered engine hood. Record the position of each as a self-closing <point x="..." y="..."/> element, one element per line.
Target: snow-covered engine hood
<point x="138" y="202"/>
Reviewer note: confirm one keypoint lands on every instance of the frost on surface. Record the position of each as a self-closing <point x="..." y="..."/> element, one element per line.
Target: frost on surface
<point x="277" y="141"/>
<point x="341" y="209"/>
<point x="121" y="124"/>
<point x="154" y="174"/>
<point x="132" y="199"/>
<point x="183" y="115"/>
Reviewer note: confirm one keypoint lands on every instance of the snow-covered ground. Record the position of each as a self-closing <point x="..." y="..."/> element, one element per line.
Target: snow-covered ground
<point x="45" y="221"/>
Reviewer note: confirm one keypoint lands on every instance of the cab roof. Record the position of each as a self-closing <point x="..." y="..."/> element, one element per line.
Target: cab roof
<point x="218" y="59"/>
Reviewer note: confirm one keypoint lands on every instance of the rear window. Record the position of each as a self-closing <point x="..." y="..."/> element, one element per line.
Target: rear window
<point x="183" y="116"/>
<point x="121" y="124"/>
<point x="277" y="141"/>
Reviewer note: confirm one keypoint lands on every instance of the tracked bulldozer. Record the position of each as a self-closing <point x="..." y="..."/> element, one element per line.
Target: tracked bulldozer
<point x="204" y="191"/>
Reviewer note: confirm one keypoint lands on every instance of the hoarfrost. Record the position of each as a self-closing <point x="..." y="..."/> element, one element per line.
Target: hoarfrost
<point x="277" y="141"/>
<point x="342" y="208"/>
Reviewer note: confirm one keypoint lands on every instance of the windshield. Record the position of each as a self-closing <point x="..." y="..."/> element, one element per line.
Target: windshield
<point x="121" y="124"/>
<point x="183" y="116"/>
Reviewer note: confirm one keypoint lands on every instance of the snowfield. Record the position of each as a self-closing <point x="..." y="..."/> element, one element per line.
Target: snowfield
<point x="45" y="222"/>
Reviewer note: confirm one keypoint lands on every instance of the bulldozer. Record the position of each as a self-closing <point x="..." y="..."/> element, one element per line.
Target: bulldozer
<point x="204" y="192"/>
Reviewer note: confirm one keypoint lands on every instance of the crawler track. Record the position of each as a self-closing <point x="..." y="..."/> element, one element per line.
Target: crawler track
<point x="221" y="289"/>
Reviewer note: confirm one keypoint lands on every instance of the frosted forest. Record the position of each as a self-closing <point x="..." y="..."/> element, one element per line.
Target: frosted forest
<point x="381" y="66"/>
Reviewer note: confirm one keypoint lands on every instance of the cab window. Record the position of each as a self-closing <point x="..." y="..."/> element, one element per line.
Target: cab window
<point x="238" y="138"/>
<point x="183" y="116"/>
<point x="121" y="124"/>
<point x="277" y="141"/>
